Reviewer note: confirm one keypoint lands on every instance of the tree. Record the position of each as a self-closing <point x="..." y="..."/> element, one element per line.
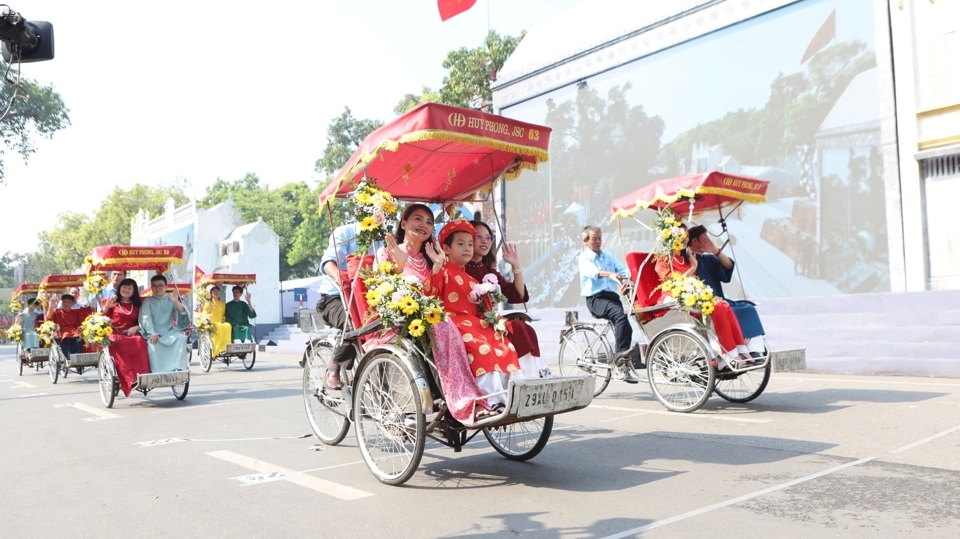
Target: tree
<point x="7" y="264"/>
<point x="344" y="135"/>
<point x="36" y="110"/>
<point x="469" y="71"/>
<point x="410" y="101"/>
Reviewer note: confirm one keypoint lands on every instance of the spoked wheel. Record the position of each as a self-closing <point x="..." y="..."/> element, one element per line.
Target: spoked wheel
<point x="20" y="354"/>
<point x="180" y="391"/>
<point x="390" y="424"/>
<point x="580" y="350"/>
<point x="53" y="365"/>
<point x="520" y="441"/>
<point x="322" y="404"/>
<point x="108" y="382"/>
<point x="746" y="386"/>
<point x="250" y="359"/>
<point x="205" y="351"/>
<point x="679" y="370"/>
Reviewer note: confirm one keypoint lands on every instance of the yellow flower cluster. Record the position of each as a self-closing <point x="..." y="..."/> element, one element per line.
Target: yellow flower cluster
<point x="96" y="329"/>
<point x="95" y="282"/>
<point x="672" y="235"/>
<point x="375" y="208"/>
<point x="47" y="330"/>
<point x="690" y="293"/>
<point x="15" y="306"/>
<point x="202" y="296"/>
<point x="203" y="322"/>
<point x="400" y="303"/>
<point x="15" y="333"/>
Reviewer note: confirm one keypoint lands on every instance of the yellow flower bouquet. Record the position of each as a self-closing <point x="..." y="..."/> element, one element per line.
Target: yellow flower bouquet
<point x="47" y="330"/>
<point x="96" y="329"/>
<point x="203" y="322"/>
<point x="400" y="303"/>
<point x="670" y="233"/>
<point x="202" y="296"/>
<point x="95" y="283"/>
<point x="15" y="306"/>
<point x="690" y="293"/>
<point x="376" y="212"/>
<point x="15" y="333"/>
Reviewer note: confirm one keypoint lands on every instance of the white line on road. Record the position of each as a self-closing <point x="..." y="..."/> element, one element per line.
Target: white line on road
<point x="736" y="418"/>
<point x="323" y="486"/>
<point x="332" y="467"/>
<point x="927" y="439"/>
<point x="99" y="414"/>
<point x="23" y="384"/>
<point x="787" y="376"/>
<point x="31" y="395"/>
<point x="623" y="417"/>
<point x="191" y="408"/>
<point x="736" y="500"/>
<point x="178" y="439"/>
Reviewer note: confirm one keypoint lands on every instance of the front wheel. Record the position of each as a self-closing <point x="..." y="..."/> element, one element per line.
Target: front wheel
<point x="584" y="350"/>
<point x="520" y="441"/>
<point x="205" y="351"/>
<point x="180" y="390"/>
<point x="250" y="359"/>
<point x="680" y="372"/>
<point x="391" y="429"/>
<point x="108" y="382"/>
<point x="53" y="365"/>
<point x="327" y="412"/>
<point x="20" y="359"/>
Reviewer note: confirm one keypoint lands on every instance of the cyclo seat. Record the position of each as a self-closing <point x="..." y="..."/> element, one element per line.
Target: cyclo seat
<point x="647" y="295"/>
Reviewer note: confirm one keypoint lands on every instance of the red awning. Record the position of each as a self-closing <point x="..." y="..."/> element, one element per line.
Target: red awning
<point x="228" y="278"/>
<point x="130" y="258"/>
<point x="709" y="191"/>
<point x="441" y="153"/>
<point x="25" y="288"/>
<point x="61" y="283"/>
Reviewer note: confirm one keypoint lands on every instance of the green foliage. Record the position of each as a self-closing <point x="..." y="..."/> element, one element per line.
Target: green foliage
<point x="37" y="110"/>
<point x="410" y="101"/>
<point x="344" y="135"/>
<point x="7" y="264"/>
<point x="469" y="70"/>
<point x="75" y="234"/>
<point x="291" y="211"/>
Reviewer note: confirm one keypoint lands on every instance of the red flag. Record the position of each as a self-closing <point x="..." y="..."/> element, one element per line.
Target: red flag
<point x="197" y="274"/>
<point x="823" y="37"/>
<point x="451" y="8"/>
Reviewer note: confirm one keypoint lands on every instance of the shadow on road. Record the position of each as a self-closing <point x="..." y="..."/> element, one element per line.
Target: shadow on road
<point x="823" y="400"/>
<point x="524" y="525"/>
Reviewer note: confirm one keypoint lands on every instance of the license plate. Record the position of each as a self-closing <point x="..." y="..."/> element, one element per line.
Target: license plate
<point x="39" y="352"/>
<point x="164" y="379"/>
<point x="240" y="348"/>
<point x="538" y="399"/>
<point x="789" y="360"/>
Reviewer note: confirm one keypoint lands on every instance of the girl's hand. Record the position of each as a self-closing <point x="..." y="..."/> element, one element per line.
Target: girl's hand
<point x="511" y="255"/>
<point x="398" y="253"/>
<point x="111" y="301"/>
<point x="133" y="331"/>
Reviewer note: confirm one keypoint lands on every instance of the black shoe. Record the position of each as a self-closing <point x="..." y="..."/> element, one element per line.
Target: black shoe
<point x="628" y="353"/>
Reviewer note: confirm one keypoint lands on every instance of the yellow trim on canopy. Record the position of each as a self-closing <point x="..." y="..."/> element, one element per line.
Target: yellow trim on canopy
<point x="690" y="193"/>
<point x="169" y="260"/>
<point x="539" y="154"/>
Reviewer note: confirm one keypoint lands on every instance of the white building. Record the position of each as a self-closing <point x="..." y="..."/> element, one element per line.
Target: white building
<point x="217" y="240"/>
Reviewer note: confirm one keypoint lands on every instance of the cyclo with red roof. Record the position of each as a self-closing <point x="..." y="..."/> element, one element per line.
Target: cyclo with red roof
<point x="175" y="372"/>
<point x="29" y="351"/>
<point x="215" y="339"/>
<point x="83" y="357"/>
<point x="394" y="391"/>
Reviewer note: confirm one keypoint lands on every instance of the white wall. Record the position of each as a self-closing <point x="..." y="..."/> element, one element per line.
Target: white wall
<point x="260" y="254"/>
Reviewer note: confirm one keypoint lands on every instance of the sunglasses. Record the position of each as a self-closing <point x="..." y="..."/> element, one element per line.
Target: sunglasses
<point x="483" y="237"/>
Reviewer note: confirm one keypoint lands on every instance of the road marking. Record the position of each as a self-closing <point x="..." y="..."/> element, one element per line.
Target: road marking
<point x="99" y="414"/>
<point x="891" y="382"/>
<point x="332" y="467"/>
<point x="30" y="395"/>
<point x="323" y="486"/>
<point x="23" y="384"/>
<point x="737" y="419"/>
<point x="178" y="439"/>
<point x="738" y="499"/>
<point x="623" y="417"/>
<point x="927" y="439"/>
<point x="261" y="478"/>
<point x="191" y="408"/>
<point x="163" y="441"/>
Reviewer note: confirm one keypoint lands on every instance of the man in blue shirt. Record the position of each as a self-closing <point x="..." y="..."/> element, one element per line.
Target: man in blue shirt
<point x="111" y="289"/>
<point x="343" y="242"/>
<point x="601" y="276"/>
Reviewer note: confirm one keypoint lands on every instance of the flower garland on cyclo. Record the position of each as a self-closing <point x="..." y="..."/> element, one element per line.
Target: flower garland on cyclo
<point x="396" y="299"/>
<point x="690" y="293"/>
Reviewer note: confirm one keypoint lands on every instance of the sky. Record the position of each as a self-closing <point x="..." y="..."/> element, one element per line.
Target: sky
<point x="201" y="90"/>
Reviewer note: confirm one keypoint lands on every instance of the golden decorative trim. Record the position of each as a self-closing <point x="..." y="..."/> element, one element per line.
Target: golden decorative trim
<point x="938" y="110"/>
<point x="688" y="193"/>
<point x="933" y="143"/>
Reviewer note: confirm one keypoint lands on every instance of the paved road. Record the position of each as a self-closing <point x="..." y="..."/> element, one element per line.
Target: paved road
<point x="815" y="456"/>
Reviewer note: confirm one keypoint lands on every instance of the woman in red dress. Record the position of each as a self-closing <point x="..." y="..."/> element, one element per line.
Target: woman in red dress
<point x="522" y="334"/>
<point x="127" y="347"/>
<point x="725" y="323"/>
<point x="492" y="358"/>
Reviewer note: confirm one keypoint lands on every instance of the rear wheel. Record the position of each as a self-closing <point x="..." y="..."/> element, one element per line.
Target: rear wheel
<point x="20" y="359"/>
<point x="679" y="369"/>
<point x="390" y="425"/>
<point x="180" y="391"/>
<point x="205" y="351"/>
<point x="520" y="441"/>
<point x="584" y="350"/>
<point x="326" y="409"/>
<point x="746" y="386"/>
<point x="250" y="359"/>
<point x="108" y="382"/>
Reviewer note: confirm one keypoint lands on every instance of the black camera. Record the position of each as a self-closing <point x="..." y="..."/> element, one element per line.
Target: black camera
<point x="25" y="41"/>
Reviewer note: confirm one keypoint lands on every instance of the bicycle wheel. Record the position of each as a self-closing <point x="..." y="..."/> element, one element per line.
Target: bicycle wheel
<point x="520" y="441"/>
<point x="745" y="386"/>
<point x="108" y="382"/>
<point x="326" y="409"/>
<point x="205" y="351"/>
<point x="390" y="425"/>
<point x="584" y="350"/>
<point x="180" y="391"/>
<point x="249" y="359"/>
<point x="53" y="364"/>
<point x="680" y="373"/>
<point x="20" y="353"/>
